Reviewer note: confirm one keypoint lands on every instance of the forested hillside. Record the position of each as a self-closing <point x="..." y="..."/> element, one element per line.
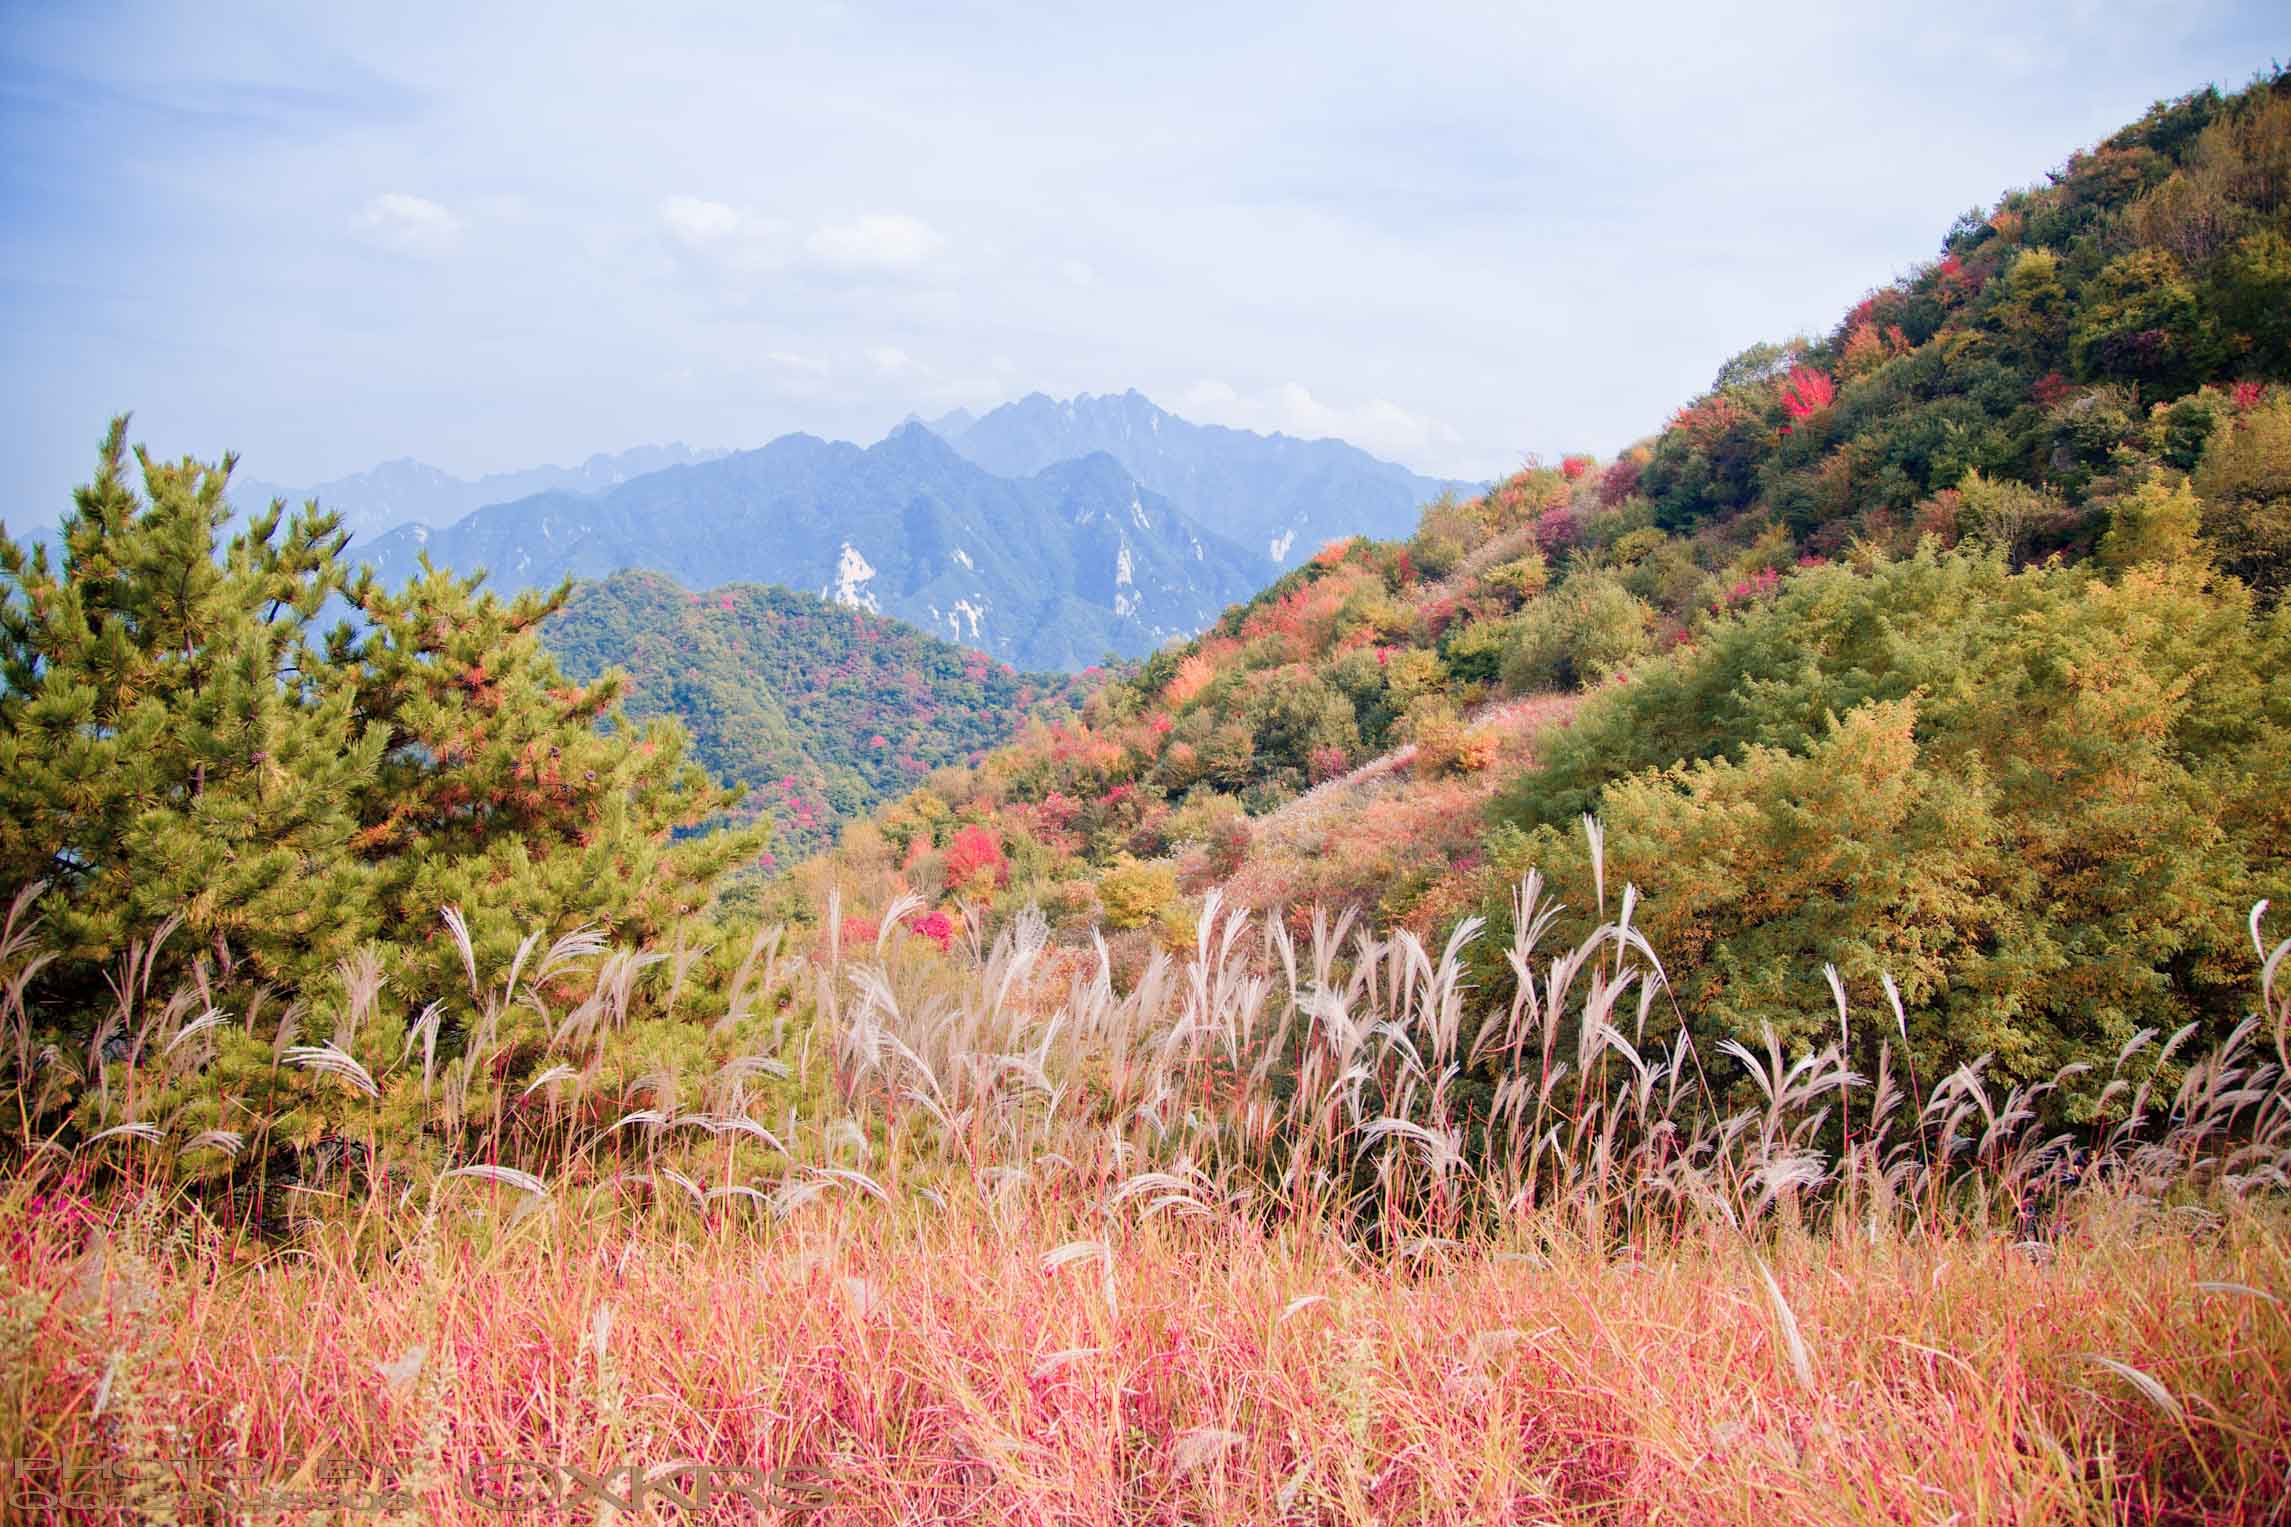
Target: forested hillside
<point x="1944" y="648"/>
<point x="819" y="711"/>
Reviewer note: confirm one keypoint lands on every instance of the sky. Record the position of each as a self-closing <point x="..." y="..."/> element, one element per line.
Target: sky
<point x="491" y="237"/>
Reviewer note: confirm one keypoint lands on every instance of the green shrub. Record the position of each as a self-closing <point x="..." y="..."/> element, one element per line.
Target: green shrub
<point x="1136" y="895"/>
<point x="2043" y="802"/>
<point x="1576" y="636"/>
<point x="2244" y="481"/>
<point x="1522" y="578"/>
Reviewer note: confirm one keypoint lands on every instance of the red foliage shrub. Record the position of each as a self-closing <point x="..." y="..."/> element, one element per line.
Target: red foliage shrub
<point x="1573" y="467"/>
<point x="1755" y="587"/>
<point x="975" y="852"/>
<point x="858" y="932"/>
<point x="1326" y="763"/>
<point x="935" y="926"/>
<point x="1556" y="530"/>
<point x="1229" y="847"/>
<point x="1706" y="421"/>
<point x="1807" y="392"/>
<point x="1192" y="676"/>
<point x="2246" y="395"/>
<point x="2050" y="389"/>
<point x="1619" y="482"/>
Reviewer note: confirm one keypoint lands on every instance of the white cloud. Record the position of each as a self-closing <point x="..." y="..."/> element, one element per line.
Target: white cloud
<point x="875" y="241"/>
<point x="733" y="237"/>
<point x="1378" y="425"/>
<point x="891" y="360"/>
<point x="410" y="224"/>
<point x="695" y="221"/>
<point x="1078" y="272"/>
<point x="1208" y="396"/>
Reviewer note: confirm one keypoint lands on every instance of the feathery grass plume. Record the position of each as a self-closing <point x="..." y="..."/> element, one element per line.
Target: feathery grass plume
<point x="333" y="1061"/>
<point x="2149" y="1387"/>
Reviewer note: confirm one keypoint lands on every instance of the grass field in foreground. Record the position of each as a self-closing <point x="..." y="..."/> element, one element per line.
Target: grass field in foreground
<point x="1231" y="1243"/>
<point x="1013" y="1358"/>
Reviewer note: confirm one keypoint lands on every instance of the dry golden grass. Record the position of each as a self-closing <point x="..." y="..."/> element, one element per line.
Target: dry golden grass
<point x="1235" y="1244"/>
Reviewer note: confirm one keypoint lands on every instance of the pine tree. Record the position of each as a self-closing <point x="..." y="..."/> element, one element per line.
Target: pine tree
<point x="178" y="738"/>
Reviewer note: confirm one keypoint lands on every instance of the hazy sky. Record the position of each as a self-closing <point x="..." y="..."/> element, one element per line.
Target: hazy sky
<point x="328" y="235"/>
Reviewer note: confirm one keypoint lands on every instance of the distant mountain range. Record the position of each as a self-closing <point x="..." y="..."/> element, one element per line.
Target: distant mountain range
<point x="410" y="492"/>
<point x="1282" y="496"/>
<point x="1048" y="533"/>
<point x="1055" y="569"/>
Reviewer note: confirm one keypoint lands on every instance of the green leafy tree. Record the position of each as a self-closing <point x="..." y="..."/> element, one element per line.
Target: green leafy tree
<point x="2142" y="321"/>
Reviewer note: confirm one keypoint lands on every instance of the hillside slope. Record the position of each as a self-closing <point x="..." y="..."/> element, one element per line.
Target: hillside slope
<point x="1944" y="649"/>
<point x="818" y="710"/>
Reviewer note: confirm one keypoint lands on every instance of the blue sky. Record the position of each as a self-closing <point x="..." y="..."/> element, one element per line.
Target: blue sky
<point x="324" y="236"/>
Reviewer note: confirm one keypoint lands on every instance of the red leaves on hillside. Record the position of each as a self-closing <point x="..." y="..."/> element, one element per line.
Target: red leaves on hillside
<point x="1556" y="530"/>
<point x="975" y="852"/>
<point x="1759" y="585"/>
<point x="1619" y="482"/>
<point x="1193" y="675"/>
<point x="1807" y="392"/>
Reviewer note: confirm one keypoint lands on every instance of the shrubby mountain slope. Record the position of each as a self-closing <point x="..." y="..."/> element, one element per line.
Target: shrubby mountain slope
<point x="1948" y="648"/>
<point x="818" y="710"/>
<point x="1278" y="495"/>
<point x="1053" y="570"/>
<point x="410" y="492"/>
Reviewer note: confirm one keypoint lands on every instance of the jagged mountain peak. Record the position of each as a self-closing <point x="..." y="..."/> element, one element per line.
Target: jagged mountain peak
<point x="1053" y="569"/>
<point x="1278" y="494"/>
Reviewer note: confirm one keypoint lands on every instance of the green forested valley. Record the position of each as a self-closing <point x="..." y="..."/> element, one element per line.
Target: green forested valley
<point x="818" y="711"/>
